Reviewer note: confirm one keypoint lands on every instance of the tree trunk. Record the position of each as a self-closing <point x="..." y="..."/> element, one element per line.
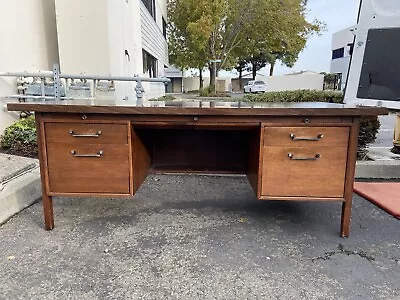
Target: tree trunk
<point x="271" y="70"/>
<point x="254" y="69"/>
<point x="212" y="76"/>
<point x="241" y="79"/>
<point x="201" y="78"/>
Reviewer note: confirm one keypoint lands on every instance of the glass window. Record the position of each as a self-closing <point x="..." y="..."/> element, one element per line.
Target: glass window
<point x="151" y="7"/>
<point x="149" y="64"/>
<point x="164" y="27"/>
<point x="338" y="53"/>
<point x="259" y="82"/>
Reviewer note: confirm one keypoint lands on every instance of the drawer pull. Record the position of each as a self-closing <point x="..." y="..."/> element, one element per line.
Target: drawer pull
<point x="294" y="138"/>
<point x="98" y="154"/>
<point x="96" y="135"/>
<point x="316" y="157"/>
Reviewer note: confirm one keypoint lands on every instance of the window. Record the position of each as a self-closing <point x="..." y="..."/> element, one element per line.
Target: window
<point x="338" y="53"/>
<point x="164" y="27"/>
<point x="151" y="7"/>
<point x="149" y="64"/>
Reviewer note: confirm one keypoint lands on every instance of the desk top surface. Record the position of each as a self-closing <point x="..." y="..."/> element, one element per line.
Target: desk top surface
<point x="195" y="107"/>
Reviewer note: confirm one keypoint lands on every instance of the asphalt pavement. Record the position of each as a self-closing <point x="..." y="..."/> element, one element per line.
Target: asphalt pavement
<point x="199" y="237"/>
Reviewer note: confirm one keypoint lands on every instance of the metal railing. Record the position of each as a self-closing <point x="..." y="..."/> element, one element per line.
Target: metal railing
<point x="57" y="76"/>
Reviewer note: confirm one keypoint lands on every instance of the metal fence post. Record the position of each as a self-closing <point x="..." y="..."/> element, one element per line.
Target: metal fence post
<point x="139" y="90"/>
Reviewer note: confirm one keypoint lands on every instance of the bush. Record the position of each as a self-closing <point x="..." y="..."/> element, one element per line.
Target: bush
<point x="297" y="96"/>
<point x="20" y="138"/>
<point x="207" y="92"/>
<point x="369" y="128"/>
<point x="163" y="98"/>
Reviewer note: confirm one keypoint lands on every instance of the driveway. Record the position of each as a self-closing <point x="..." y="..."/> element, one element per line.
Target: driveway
<point x="199" y="237"/>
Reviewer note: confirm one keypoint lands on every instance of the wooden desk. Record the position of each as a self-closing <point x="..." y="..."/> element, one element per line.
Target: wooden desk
<point x="298" y="152"/>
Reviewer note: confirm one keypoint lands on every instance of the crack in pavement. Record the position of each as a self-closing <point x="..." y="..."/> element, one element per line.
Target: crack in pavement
<point x="341" y="250"/>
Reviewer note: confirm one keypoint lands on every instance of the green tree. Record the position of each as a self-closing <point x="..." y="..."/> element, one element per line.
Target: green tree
<point x="204" y="30"/>
<point x="291" y="31"/>
<point x="235" y="30"/>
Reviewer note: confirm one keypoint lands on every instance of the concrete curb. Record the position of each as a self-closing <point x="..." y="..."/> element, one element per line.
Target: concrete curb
<point x="19" y="193"/>
<point x="382" y="169"/>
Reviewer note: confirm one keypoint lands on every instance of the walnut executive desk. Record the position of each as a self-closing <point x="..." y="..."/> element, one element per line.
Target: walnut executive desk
<point x="296" y="152"/>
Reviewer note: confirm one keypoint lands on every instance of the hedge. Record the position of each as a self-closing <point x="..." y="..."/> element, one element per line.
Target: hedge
<point x="297" y="96"/>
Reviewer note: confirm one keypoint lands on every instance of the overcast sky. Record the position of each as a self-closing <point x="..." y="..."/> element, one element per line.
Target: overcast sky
<point x="337" y="15"/>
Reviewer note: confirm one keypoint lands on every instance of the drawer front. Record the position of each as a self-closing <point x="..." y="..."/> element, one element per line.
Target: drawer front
<point x="94" y="168"/>
<point x="86" y="133"/>
<point x="304" y="172"/>
<point x="306" y="136"/>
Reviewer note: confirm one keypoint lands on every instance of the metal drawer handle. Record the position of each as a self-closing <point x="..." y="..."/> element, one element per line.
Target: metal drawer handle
<point x="96" y="135"/>
<point x="294" y="138"/>
<point x="316" y="157"/>
<point x="98" y="154"/>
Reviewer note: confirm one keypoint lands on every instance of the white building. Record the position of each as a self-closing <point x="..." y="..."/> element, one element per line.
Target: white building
<point x="342" y="48"/>
<point x="93" y="37"/>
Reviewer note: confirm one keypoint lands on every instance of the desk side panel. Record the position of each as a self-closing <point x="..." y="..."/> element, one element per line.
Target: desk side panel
<point x="254" y="163"/>
<point x="141" y="161"/>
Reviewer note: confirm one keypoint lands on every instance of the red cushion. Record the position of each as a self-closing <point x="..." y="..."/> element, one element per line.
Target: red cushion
<point x="386" y="195"/>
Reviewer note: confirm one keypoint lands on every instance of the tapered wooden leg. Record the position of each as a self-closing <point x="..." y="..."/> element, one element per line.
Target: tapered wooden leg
<point x="346" y="216"/>
<point x="46" y="199"/>
<point x="48" y="212"/>
<point x="348" y="187"/>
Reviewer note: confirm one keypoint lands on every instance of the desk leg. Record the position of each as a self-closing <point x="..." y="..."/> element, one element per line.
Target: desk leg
<point x="46" y="199"/>
<point x="350" y="172"/>
<point x="346" y="216"/>
<point x="48" y="212"/>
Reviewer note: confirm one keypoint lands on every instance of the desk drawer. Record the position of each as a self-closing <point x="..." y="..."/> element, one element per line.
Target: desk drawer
<point x="95" y="168"/>
<point x="304" y="171"/>
<point x="306" y="136"/>
<point x="86" y="133"/>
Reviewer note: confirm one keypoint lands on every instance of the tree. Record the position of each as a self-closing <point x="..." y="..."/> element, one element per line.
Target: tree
<point x="183" y="52"/>
<point x="291" y="31"/>
<point x="209" y="30"/>
<point x="235" y="30"/>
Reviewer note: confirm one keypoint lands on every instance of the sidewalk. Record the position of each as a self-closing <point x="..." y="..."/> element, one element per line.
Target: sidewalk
<point x="19" y="184"/>
<point x="385" y="164"/>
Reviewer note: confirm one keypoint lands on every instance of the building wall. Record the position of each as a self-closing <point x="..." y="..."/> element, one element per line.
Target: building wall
<point x="124" y="35"/>
<point x="112" y="34"/>
<point x="342" y="39"/>
<point x="83" y="36"/>
<point x="153" y="40"/>
<point x="307" y="81"/>
<point x="193" y="84"/>
<point x="295" y="82"/>
<point x="28" y="43"/>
